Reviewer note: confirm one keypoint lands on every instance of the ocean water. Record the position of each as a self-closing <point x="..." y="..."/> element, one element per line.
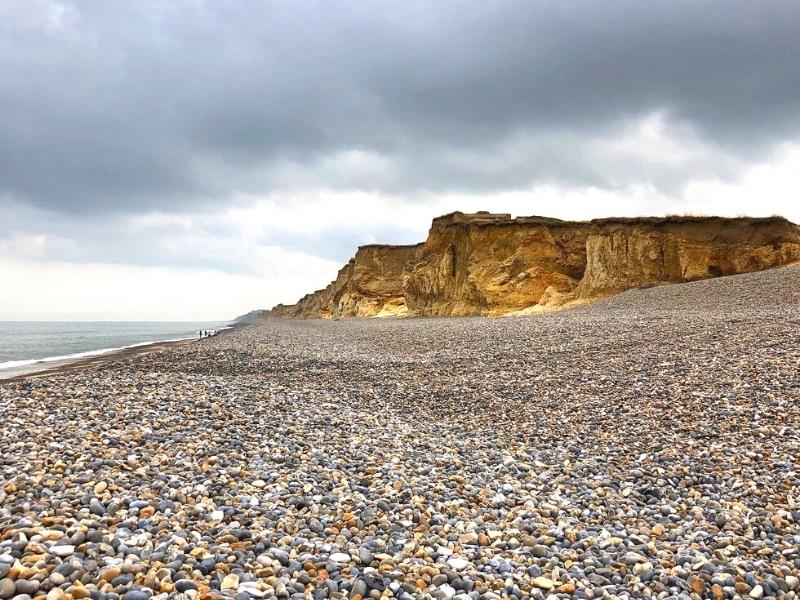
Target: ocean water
<point x="29" y="342"/>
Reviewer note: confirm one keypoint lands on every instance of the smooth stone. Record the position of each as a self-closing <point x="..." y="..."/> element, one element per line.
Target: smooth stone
<point x="457" y="564"/>
<point x="184" y="585"/>
<point x="7" y="588"/>
<point x="444" y="592"/>
<point x="27" y="586"/>
<point x="543" y="583"/>
<point x="124" y="579"/>
<point x="340" y="557"/>
<point x="539" y="551"/>
<point x="359" y="588"/>
<point x="62" y="551"/>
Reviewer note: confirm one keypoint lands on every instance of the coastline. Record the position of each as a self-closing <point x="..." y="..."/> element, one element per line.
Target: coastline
<point x="52" y="366"/>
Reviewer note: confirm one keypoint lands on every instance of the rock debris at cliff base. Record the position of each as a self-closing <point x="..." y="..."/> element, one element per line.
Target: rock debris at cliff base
<point x="643" y="446"/>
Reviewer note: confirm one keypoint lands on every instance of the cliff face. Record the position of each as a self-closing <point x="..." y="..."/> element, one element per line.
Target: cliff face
<point x="370" y="284"/>
<point x="491" y="264"/>
<point x="624" y="253"/>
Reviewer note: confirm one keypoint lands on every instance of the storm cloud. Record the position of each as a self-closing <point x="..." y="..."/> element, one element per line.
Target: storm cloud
<point x="180" y="106"/>
<point x="257" y="139"/>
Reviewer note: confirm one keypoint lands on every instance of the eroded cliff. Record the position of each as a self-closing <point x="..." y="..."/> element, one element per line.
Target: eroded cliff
<point x="371" y="284"/>
<point x="491" y="264"/>
<point x="626" y="253"/>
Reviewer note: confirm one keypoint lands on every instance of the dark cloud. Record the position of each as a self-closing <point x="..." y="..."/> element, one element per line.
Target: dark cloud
<point x="116" y="107"/>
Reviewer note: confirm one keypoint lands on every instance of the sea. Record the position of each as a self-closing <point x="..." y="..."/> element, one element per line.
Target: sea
<point x="24" y="343"/>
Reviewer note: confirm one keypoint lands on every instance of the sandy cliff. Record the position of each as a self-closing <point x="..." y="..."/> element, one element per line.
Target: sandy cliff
<point x="370" y="284"/>
<point x="491" y="264"/>
<point x="625" y="253"/>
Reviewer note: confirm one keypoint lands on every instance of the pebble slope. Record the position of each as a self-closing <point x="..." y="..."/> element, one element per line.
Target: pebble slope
<point x="645" y="446"/>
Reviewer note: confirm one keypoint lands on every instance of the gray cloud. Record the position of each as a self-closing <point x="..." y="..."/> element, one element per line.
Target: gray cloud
<point x="124" y="107"/>
<point x="200" y="241"/>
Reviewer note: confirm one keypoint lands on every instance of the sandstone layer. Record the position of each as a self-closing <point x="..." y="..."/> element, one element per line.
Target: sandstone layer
<point x="492" y="264"/>
<point x="371" y="284"/>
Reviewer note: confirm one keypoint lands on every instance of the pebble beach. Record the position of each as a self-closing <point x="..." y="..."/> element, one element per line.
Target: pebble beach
<point x="644" y="446"/>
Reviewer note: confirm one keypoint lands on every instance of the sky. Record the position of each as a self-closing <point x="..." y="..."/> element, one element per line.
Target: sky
<point x="199" y="159"/>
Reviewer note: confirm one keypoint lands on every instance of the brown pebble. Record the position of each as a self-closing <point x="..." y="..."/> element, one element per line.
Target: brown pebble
<point x="79" y="592"/>
<point x="717" y="592"/>
<point x="741" y="587"/>
<point x="698" y="585"/>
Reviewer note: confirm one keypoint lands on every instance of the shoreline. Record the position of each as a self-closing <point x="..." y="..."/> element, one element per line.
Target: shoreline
<point x="46" y="368"/>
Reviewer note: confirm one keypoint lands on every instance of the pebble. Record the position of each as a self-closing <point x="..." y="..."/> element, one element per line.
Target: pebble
<point x="543" y="583"/>
<point x="457" y="564"/>
<point x="184" y="585"/>
<point x="62" y="551"/>
<point x="644" y="446"/>
<point x="340" y="557"/>
<point x="136" y="595"/>
<point x="539" y="551"/>
<point x="7" y="588"/>
<point x="27" y="586"/>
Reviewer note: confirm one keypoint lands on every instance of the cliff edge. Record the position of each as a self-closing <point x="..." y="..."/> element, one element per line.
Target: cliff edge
<point x="493" y="264"/>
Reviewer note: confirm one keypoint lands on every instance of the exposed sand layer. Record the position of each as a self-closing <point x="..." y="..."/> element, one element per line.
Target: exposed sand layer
<point x="643" y="446"/>
<point x="491" y="264"/>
